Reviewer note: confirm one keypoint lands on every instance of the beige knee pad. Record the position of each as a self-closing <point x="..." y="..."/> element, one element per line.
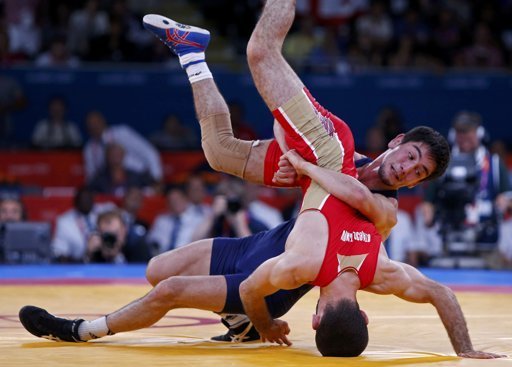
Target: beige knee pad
<point x="223" y="151"/>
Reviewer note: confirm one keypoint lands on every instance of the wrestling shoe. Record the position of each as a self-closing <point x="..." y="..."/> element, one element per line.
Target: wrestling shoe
<point x="239" y="333"/>
<point x="180" y="38"/>
<point x="40" y="323"/>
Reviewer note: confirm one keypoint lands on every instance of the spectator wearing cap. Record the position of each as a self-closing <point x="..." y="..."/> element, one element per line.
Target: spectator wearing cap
<point x="489" y="201"/>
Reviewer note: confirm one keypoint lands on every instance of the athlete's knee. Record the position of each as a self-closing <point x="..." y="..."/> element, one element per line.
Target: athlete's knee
<point x="166" y="294"/>
<point x="153" y="271"/>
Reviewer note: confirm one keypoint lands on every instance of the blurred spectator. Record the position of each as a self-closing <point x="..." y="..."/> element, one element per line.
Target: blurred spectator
<point x="74" y="227"/>
<point x="375" y="141"/>
<point x="299" y="45"/>
<point x="335" y="13"/>
<point x="400" y="241"/>
<point x="57" y="56"/>
<point x="376" y="26"/>
<point x="258" y="209"/>
<point x="114" y="178"/>
<point x="176" y="227"/>
<point x="130" y="207"/>
<point x="111" y="242"/>
<point x="465" y="204"/>
<point x="174" y="135"/>
<point x="132" y="26"/>
<point x="112" y="46"/>
<point x="484" y="52"/>
<point x="56" y="131"/>
<point x="85" y="24"/>
<point x="12" y="99"/>
<point x="140" y="155"/>
<point x="197" y="194"/>
<point x="24" y="34"/>
<point x="11" y="210"/>
<point x="241" y="128"/>
<point x="7" y="58"/>
<point x="446" y="35"/>
<point x="390" y="122"/>
<point x="230" y="216"/>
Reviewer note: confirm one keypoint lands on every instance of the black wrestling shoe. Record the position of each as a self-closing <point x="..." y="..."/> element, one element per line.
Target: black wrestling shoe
<point x="241" y="333"/>
<point x="40" y="323"/>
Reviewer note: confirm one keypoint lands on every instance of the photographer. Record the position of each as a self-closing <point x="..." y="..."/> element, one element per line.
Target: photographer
<point x="465" y="205"/>
<point x="111" y="244"/>
<point x="229" y="216"/>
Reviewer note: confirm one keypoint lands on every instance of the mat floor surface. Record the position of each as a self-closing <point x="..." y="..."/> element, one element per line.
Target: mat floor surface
<point x="401" y="333"/>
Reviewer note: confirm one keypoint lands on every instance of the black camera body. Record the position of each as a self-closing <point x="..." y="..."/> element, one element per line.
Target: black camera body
<point x="234" y="205"/>
<point x="108" y="240"/>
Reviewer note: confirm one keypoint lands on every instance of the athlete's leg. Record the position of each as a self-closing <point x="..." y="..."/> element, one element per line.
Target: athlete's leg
<point x="193" y="259"/>
<point x="275" y="80"/>
<point x="223" y="151"/>
<point x="201" y="292"/>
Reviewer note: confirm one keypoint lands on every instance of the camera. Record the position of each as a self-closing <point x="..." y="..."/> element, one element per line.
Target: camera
<point x="234" y="205"/>
<point x="108" y="240"/>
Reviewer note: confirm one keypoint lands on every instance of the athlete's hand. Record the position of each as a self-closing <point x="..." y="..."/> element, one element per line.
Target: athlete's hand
<point x="480" y="355"/>
<point x="276" y="333"/>
<point x="296" y="161"/>
<point x="286" y="175"/>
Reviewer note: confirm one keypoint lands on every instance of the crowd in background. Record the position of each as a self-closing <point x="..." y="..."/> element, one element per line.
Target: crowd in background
<point x="329" y="36"/>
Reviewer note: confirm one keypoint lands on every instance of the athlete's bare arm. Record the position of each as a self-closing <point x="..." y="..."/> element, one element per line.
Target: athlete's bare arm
<point x="297" y="265"/>
<point x="410" y="284"/>
<point x="377" y="208"/>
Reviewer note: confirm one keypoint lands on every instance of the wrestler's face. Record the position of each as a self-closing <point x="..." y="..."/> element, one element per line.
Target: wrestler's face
<point x="406" y="164"/>
<point x="317" y="316"/>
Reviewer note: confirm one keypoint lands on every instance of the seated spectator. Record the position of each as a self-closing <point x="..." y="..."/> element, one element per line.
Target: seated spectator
<point x="11" y="210"/>
<point x="74" y="227"/>
<point x="57" y="56"/>
<point x="174" y="135"/>
<point x="259" y="210"/>
<point x="484" y="52"/>
<point x="136" y="227"/>
<point x="115" y="178"/>
<point x="113" y="244"/>
<point x="140" y="155"/>
<point x="112" y="46"/>
<point x="402" y="238"/>
<point x="85" y="24"/>
<point x="176" y="227"/>
<point x="56" y="131"/>
<point x="24" y="34"/>
<point x="196" y="193"/>
<point x="12" y="99"/>
<point x="229" y="216"/>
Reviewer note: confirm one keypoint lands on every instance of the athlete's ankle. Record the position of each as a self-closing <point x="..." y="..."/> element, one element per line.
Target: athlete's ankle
<point x="95" y="329"/>
<point x="198" y="71"/>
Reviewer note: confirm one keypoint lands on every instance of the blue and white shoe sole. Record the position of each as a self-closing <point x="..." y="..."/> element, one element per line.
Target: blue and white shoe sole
<point x="180" y="38"/>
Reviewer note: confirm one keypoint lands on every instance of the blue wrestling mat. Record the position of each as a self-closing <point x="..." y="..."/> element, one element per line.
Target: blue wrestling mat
<point x="130" y="273"/>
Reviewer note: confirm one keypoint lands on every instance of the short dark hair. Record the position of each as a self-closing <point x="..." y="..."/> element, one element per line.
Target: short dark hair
<point x="439" y="149"/>
<point x="342" y="332"/>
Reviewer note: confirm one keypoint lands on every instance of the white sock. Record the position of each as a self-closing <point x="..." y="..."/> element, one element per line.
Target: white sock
<point x="197" y="72"/>
<point x="94" y="329"/>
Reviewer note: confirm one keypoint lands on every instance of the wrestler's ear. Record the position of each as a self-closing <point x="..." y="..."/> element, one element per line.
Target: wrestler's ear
<point x="396" y="141"/>
<point x="315" y="321"/>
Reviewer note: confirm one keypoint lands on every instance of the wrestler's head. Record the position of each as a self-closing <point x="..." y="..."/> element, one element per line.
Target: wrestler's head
<point x="419" y="155"/>
<point x="341" y="328"/>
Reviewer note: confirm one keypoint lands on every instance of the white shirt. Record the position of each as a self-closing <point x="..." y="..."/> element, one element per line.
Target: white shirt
<point x="140" y="155"/>
<point x="266" y="214"/>
<point x="402" y="237"/>
<point x="72" y="231"/>
<point x="163" y="226"/>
